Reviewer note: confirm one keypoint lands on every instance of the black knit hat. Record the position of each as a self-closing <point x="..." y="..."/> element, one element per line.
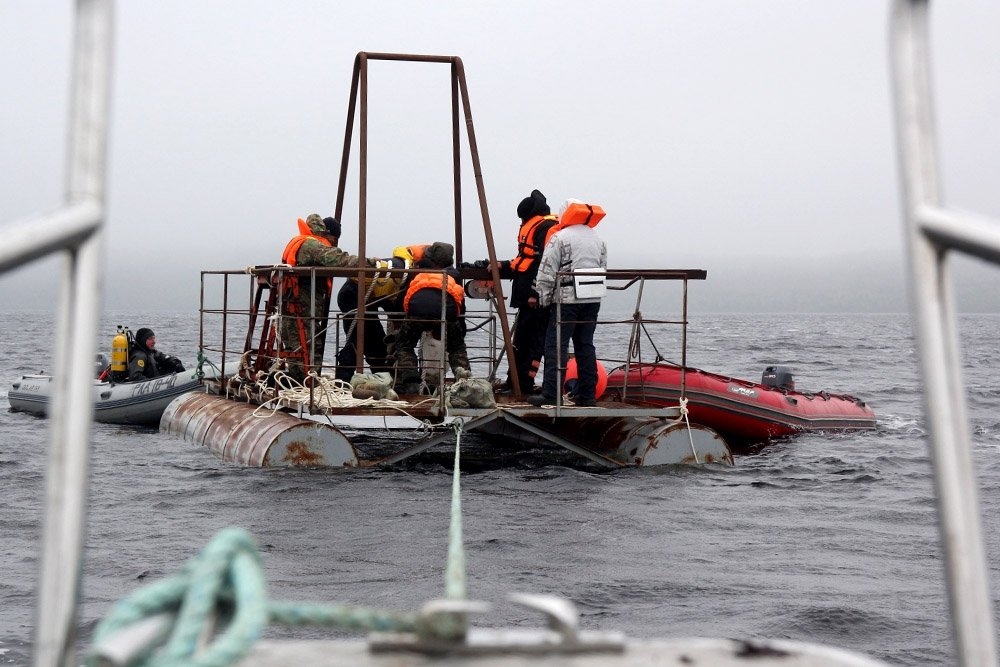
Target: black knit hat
<point x="142" y="335"/>
<point x="440" y="255"/>
<point x="332" y="226"/>
<point x="532" y="205"/>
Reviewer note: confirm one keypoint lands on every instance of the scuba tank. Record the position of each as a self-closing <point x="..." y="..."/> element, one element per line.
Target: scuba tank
<point x="120" y="346"/>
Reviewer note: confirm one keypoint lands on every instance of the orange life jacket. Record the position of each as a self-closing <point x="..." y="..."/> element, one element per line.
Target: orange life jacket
<point x="290" y="288"/>
<point x="290" y="284"/>
<point x="578" y="213"/>
<point x="433" y="281"/>
<point x="527" y="251"/>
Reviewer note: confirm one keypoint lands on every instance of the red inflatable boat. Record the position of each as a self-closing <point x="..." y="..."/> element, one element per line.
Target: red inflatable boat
<point x="740" y="410"/>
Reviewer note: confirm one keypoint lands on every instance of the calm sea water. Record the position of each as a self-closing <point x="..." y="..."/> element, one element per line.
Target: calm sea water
<point x="823" y="538"/>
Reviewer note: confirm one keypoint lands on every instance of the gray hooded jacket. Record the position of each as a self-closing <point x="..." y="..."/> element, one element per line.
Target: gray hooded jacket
<point x="570" y="249"/>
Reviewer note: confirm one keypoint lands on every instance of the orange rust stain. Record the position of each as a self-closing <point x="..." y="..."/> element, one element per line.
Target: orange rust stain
<point x="298" y="454"/>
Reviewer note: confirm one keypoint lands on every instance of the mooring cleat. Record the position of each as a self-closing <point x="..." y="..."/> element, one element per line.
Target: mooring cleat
<point x="561" y="636"/>
<point x="560" y="612"/>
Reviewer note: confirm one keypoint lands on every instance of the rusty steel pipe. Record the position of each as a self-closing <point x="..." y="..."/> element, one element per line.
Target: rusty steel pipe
<point x="248" y="435"/>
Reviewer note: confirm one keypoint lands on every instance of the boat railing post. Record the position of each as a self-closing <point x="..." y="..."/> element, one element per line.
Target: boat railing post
<point x="684" y="347"/>
<point x="76" y="229"/>
<point x="443" y="330"/>
<point x="492" y="347"/>
<point x="310" y="350"/>
<point x="201" y="314"/>
<point x="559" y="360"/>
<point x="278" y="316"/>
<point x="225" y="321"/>
<point x="634" y="338"/>
<point x="935" y="330"/>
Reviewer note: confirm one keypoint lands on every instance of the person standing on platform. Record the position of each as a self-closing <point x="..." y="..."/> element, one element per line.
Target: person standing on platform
<point x="575" y="248"/>
<point x="537" y="226"/>
<point x="304" y="306"/>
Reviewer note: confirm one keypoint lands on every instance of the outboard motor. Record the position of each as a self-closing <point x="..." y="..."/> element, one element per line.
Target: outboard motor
<point x="779" y="377"/>
<point x="100" y="364"/>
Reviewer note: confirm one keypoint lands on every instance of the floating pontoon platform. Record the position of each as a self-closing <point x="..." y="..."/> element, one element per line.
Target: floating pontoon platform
<point x="611" y="435"/>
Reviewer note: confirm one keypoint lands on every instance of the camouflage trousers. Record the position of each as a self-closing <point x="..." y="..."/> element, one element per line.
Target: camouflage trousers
<point x="293" y="330"/>
<point x="408" y="369"/>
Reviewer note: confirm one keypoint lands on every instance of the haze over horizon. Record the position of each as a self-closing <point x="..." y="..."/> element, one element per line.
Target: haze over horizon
<point x="751" y="141"/>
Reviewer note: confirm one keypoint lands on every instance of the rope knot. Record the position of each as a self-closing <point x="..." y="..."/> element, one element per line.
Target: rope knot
<point x="225" y="582"/>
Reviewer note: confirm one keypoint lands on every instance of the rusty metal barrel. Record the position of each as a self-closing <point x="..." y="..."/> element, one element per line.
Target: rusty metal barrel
<point x="647" y="441"/>
<point x="249" y="435"/>
<point x="655" y="443"/>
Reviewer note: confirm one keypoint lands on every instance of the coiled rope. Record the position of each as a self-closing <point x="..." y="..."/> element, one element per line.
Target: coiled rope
<point x="226" y="575"/>
<point x="199" y="374"/>
<point x="226" y="583"/>
<point x="327" y="392"/>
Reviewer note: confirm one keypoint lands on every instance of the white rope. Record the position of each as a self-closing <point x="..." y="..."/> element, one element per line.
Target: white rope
<point x="455" y="570"/>
<point x="684" y="416"/>
<point x="330" y="393"/>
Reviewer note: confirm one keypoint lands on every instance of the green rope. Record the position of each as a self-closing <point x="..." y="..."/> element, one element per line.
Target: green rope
<point x="224" y="585"/>
<point x="199" y="373"/>
<point x="225" y="582"/>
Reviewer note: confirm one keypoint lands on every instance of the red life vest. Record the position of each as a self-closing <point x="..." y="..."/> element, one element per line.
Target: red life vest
<point x="527" y="251"/>
<point x="433" y="281"/>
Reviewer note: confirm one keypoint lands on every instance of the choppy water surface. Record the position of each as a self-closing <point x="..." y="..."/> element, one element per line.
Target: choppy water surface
<point x="825" y="538"/>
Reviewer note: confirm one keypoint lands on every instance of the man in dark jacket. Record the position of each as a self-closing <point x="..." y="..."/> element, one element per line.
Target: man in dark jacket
<point x="145" y="362"/>
<point x="537" y="225"/>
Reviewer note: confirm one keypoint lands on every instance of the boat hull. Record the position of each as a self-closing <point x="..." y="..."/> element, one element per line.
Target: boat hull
<point x="740" y="410"/>
<point x="134" y="403"/>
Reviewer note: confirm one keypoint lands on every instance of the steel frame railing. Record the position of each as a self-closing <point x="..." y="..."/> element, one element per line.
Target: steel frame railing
<point x="75" y="230"/>
<point x="932" y="232"/>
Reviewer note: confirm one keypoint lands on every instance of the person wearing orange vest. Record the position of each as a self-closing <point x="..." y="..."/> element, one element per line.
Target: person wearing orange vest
<point x="537" y="226"/>
<point x="383" y="292"/>
<point x="422" y="305"/>
<point x="301" y="314"/>
<point x="571" y="274"/>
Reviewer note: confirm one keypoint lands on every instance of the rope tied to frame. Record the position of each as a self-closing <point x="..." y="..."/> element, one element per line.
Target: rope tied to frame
<point x="634" y="344"/>
<point x="683" y="405"/>
<point x="199" y="374"/>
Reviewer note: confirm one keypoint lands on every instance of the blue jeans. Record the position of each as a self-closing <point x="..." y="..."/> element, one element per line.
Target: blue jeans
<point x="579" y="320"/>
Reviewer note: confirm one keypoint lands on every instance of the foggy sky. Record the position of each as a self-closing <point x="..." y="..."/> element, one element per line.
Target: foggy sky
<point x="750" y="139"/>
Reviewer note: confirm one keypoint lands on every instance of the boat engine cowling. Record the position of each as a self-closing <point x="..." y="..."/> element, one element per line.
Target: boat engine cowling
<point x="100" y="364"/>
<point x="779" y="377"/>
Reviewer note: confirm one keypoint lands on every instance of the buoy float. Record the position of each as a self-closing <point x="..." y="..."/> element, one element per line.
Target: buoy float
<point x="571" y="377"/>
